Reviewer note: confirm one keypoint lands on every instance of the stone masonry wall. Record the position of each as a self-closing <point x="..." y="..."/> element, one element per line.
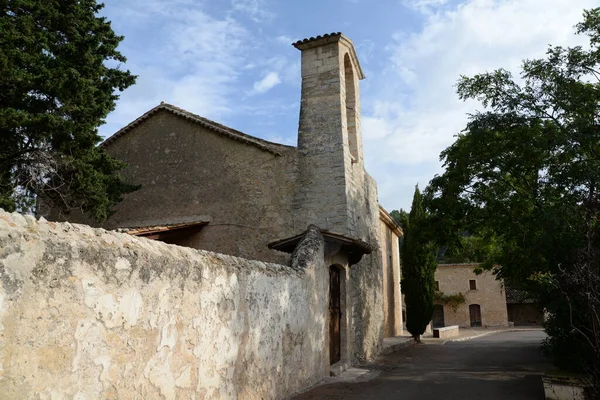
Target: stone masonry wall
<point x="391" y="281"/>
<point x="88" y="314"/>
<point x="490" y="295"/>
<point x="333" y="189"/>
<point x="362" y="212"/>
<point x="188" y="173"/>
<point x="320" y="197"/>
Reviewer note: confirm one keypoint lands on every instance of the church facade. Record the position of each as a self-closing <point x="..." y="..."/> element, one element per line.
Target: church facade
<point x="207" y="186"/>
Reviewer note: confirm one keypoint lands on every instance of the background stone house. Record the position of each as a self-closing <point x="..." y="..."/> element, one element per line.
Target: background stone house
<point x="207" y="186"/>
<point x="522" y="310"/>
<point x="485" y="297"/>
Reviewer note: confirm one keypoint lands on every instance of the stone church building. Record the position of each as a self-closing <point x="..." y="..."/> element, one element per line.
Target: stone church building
<point x="207" y="186"/>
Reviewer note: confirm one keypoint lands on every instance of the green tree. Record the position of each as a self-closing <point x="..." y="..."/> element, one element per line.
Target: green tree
<point x="56" y="88"/>
<point x="470" y="249"/>
<point x="400" y="217"/>
<point x="418" y="255"/>
<point x="526" y="171"/>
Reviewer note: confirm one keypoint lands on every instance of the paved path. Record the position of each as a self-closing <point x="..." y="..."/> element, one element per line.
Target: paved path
<point x="504" y="365"/>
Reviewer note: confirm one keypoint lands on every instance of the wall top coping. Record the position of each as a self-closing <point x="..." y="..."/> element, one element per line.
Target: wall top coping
<point x="15" y="226"/>
<point x="472" y="265"/>
<point x="390" y="222"/>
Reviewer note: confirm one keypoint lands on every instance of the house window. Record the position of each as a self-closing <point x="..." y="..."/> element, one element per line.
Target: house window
<point x="437" y="286"/>
<point x="473" y="284"/>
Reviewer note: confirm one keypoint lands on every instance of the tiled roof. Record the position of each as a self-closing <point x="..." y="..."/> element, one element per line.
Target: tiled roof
<point x="355" y="248"/>
<point x="312" y="39"/>
<point x="517" y="296"/>
<point x="331" y="38"/>
<point x="147" y="230"/>
<point x="274" y="148"/>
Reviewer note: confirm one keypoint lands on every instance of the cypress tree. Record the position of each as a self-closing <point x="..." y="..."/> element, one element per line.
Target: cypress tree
<point x="60" y="72"/>
<point x="418" y="268"/>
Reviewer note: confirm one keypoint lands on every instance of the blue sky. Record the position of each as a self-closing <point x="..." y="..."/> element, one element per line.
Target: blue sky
<point x="232" y="61"/>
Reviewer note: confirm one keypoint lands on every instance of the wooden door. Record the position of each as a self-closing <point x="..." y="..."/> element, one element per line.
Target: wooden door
<point x="335" y="314"/>
<point x="437" y="319"/>
<point x="475" y="315"/>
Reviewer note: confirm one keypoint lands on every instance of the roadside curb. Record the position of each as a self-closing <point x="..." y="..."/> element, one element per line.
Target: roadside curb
<point x="490" y="333"/>
<point x="386" y="350"/>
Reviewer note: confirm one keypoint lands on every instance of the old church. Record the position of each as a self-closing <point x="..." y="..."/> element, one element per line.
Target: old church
<point x="208" y="186"/>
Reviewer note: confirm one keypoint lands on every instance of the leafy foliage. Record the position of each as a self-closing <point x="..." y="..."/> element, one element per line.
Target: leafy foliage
<point x="401" y="218"/>
<point x="56" y="88"/>
<point x="526" y="172"/>
<point x="418" y="267"/>
<point x="452" y="300"/>
<point x="579" y="285"/>
<point x="470" y="249"/>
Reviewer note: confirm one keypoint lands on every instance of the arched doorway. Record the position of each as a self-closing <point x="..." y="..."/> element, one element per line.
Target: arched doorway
<point x="475" y="315"/>
<point x="335" y="314"/>
<point x="437" y="319"/>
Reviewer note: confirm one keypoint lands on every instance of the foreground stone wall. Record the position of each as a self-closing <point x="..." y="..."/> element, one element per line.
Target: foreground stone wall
<point x="89" y="314"/>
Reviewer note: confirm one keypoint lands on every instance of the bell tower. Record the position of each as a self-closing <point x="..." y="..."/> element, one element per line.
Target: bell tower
<point x="329" y="134"/>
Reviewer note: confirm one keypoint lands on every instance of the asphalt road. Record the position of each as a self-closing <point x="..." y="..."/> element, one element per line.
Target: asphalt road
<point x="503" y="366"/>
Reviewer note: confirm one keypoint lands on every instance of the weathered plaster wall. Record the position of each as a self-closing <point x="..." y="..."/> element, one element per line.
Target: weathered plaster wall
<point x="89" y="314"/>
<point x="490" y="295"/>
<point x="367" y="275"/>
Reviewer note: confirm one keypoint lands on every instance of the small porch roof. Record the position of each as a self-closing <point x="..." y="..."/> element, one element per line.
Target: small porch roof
<point x="151" y="230"/>
<point x="355" y="248"/>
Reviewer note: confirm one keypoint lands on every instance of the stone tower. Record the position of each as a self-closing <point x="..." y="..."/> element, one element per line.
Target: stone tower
<point x="333" y="190"/>
<point x="329" y="137"/>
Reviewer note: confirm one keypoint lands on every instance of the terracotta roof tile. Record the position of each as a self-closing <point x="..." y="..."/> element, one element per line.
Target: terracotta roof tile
<point x="517" y="296"/>
<point x="331" y="38"/>
<point x="312" y="39"/>
<point x="147" y="230"/>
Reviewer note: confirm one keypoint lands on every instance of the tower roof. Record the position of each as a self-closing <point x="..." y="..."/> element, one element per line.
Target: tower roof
<point x="328" y="38"/>
<point x="317" y="41"/>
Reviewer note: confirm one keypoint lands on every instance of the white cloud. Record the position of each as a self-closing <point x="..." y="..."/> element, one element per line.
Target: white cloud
<point x="181" y="55"/>
<point x="255" y="9"/>
<point x="284" y="39"/>
<point x="270" y="80"/>
<point x="407" y="132"/>
<point x="423" y="5"/>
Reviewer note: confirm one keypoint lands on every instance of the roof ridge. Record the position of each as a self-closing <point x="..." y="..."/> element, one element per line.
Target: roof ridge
<point x="215" y="126"/>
